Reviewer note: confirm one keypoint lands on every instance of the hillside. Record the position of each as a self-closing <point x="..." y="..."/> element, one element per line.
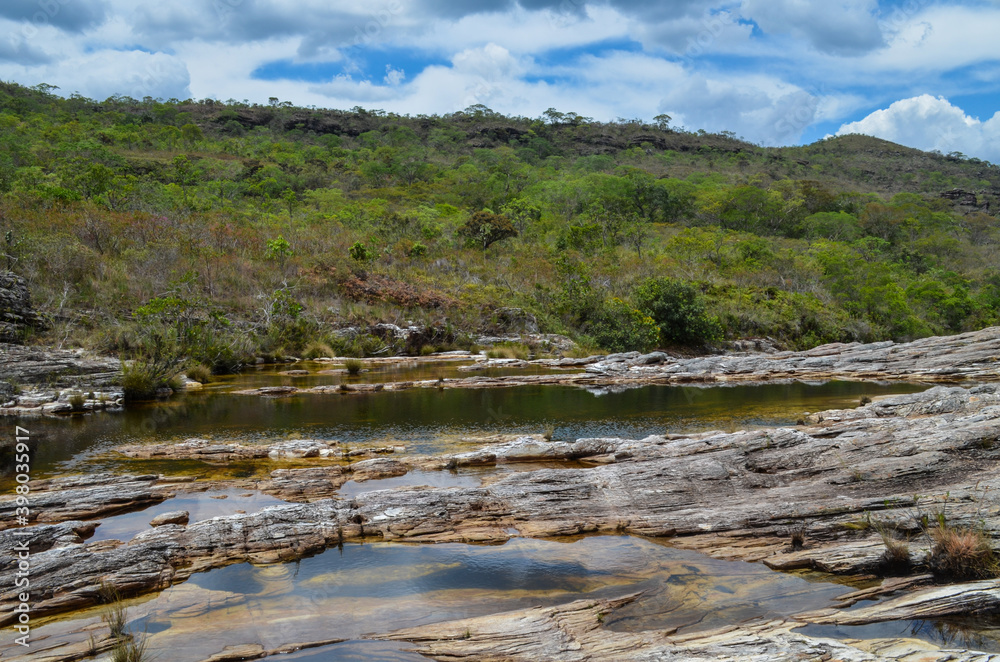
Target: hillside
<point x="216" y="232"/>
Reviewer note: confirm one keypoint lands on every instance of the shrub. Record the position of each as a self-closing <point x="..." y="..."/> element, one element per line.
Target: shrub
<point x="678" y="310"/>
<point x="486" y="228"/>
<point x="618" y="327"/>
<point x="353" y="366"/>
<point x="361" y="253"/>
<point x="141" y="379"/>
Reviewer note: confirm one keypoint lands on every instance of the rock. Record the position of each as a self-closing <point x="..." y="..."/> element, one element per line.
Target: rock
<point x="574" y="632"/>
<point x="97" y="495"/>
<point x="173" y="517"/>
<point x="213" y="452"/>
<point x="62" y="367"/>
<point x="17" y="315"/>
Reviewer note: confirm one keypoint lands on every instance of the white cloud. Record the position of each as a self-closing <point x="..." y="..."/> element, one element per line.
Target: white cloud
<point x="105" y="73"/>
<point x="930" y="123"/>
<point x="760" y="108"/>
<point x="837" y="27"/>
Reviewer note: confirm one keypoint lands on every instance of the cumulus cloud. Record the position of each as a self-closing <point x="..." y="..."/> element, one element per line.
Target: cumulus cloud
<point x="932" y="123"/>
<point x="760" y="109"/>
<point x="839" y="27"/>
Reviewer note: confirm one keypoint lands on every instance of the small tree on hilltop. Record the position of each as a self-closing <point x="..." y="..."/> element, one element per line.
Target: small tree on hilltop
<point x="486" y="228"/>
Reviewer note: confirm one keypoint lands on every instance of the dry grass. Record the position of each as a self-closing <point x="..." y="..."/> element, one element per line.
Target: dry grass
<point x="200" y="373"/>
<point x="318" y="350"/>
<point x="896" y="557"/>
<point x="962" y="553"/>
<point x="509" y="352"/>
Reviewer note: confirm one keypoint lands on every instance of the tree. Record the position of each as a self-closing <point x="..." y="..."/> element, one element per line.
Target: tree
<point x="678" y="310"/>
<point x="486" y="228"/>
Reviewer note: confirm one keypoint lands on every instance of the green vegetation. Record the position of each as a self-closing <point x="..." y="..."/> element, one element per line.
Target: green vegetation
<point x="353" y="366"/>
<point x="127" y="646"/>
<point x="197" y="232"/>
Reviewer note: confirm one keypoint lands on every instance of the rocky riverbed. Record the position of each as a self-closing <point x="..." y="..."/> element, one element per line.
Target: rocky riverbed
<point x="824" y="496"/>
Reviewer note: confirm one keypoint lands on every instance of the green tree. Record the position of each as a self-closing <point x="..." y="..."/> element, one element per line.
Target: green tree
<point x="678" y="311"/>
<point x="485" y="228"/>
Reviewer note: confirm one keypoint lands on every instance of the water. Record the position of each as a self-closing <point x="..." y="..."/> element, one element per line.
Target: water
<point x="363" y="589"/>
<point x="427" y="421"/>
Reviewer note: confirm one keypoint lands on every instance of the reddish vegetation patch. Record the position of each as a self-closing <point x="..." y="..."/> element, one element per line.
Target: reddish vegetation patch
<point x="371" y="288"/>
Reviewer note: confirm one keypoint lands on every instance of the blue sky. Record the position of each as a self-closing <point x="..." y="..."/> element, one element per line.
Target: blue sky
<point x="777" y="72"/>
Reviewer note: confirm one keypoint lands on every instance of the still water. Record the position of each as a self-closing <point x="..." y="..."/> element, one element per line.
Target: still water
<point x="430" y="421"/>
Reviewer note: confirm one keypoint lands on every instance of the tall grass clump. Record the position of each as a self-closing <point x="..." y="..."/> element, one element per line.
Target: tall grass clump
<point x="962" y="552"/>
<point x="353" y="366"/>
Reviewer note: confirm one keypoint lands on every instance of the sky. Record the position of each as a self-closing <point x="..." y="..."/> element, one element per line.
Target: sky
<point x="776" y="72"/>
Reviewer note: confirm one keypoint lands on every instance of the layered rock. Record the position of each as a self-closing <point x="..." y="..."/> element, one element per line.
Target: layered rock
<point x="574" y="632"/>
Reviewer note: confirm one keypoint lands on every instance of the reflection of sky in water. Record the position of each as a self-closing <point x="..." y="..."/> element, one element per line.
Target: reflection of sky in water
<point x="455" y="581"/>
<point x="426" y="419"/>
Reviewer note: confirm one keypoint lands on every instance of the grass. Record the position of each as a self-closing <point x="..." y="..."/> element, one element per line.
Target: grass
<point x="962" y="552"/>
<point x="200" y="373"/>
<point x="896" y="558"/>
<point x="115" y="613"/>
<point x="510" y="351"/>
<point x="354" y="366"/>
<point x="318" y="350"/>
<point x="76" y="401"/>
<point x="128" y="647"/>
<point x="798" y="537"/>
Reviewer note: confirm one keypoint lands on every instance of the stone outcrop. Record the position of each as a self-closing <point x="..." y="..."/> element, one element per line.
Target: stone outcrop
<point x="945" y="359"/>
<point x="73" y="367"/>
<point x="16" y="312"/>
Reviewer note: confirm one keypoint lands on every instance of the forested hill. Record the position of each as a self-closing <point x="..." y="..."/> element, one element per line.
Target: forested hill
<point x="227" y="230"/>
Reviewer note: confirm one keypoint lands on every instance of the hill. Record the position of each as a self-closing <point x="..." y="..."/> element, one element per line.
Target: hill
<point x="221" y="231"/>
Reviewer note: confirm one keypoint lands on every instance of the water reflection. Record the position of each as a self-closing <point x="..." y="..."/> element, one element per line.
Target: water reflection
<point x="371" y="588"/>
<point x="429" y="421"/>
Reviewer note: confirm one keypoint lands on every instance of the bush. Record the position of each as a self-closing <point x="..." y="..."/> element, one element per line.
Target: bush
<point x="618" y="327"/>
<point x="353" y="366"/>
<point x="141" y="379"/>
<point x="678" y="310"/>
